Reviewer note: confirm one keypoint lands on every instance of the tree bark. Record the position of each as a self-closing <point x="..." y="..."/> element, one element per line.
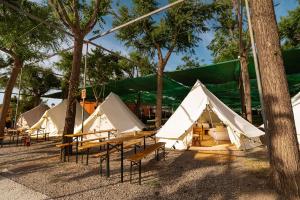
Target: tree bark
<point x="246" y="85"/>
<point x="280" y="127"/>
<point x="73" y="85"/>
<point x="246" y="95"/>
<point x="8" y="91"/>
<point x="159" y="95"/>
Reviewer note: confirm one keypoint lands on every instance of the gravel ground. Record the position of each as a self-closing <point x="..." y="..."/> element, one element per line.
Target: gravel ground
<point x="183" y="175"/>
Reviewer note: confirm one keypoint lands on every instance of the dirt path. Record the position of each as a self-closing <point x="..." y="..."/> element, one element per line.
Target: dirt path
<point x="11" y="190"/>
<point x="183" y="175"/>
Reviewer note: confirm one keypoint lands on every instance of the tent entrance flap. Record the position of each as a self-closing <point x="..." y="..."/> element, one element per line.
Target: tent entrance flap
<point x="221" y="123"/>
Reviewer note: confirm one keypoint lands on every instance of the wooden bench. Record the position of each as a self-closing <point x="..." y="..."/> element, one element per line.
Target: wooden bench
<point x="63" y="145"/>
<point x="136" y="159"/>
<point x="103" y="155"/>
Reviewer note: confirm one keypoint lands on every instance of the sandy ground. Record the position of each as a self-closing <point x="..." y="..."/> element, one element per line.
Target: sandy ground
<point x="183" y="175"/>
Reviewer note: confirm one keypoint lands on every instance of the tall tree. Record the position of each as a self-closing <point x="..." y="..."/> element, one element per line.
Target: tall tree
<point x="230" y="42"/>
<point x="22" y="40"/>
<point x="177" y="30"/>
<point x="36" y="81"/>
<point x="79" y="17"/>
<point x="280" y="128"/>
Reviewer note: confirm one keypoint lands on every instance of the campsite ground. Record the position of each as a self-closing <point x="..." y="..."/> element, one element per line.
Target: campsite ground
<point x="183" y="175"/>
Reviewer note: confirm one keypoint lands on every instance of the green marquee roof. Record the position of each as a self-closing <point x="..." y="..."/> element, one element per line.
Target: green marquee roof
<point x="221" y="79"/>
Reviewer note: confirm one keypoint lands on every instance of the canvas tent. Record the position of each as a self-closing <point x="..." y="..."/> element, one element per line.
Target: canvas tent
<point x="112" y="113"/>
<point x="29" y="118"/>
<point x="177" y="131"/>
<point x="53" y="120"/>
<point x="296" y="111"/>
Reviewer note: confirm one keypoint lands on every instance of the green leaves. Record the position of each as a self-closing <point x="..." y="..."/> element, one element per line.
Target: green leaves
<point x="37" y="80"/>
<point x="23" y="37"/>
<point x="289" y="28"/>
<point x="176" y="30"/>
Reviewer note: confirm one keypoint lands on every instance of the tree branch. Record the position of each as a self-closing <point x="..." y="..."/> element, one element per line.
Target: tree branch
<point x="93" y="20"/>
<point x="75" y="10"/>
<point x="59" y="7"/>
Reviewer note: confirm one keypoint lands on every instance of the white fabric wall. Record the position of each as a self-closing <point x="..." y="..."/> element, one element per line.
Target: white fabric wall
<point x="241" y="132"/>
<point x="53" y="120"/>
<point x="111" y="114"/>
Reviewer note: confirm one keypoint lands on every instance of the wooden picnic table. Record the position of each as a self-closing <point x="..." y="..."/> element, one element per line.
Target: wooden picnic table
<point x="118" y="143"/>
<point x="77" y="135"/>
<point x="15" y="132"/>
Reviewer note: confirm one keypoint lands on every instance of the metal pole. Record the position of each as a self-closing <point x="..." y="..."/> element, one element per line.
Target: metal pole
<point x="137" y="19"/>
<point x="258" y="78"/>
<point x="84" y="86"/>
<point x="18" y="99"/>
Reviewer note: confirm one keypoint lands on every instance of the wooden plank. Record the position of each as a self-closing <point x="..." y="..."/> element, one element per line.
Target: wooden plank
<point x="147" y="151"/>
<point x="89" y="133"/>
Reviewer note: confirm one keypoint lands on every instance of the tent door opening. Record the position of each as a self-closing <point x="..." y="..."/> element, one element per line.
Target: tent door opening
<point x="209" y="130"/>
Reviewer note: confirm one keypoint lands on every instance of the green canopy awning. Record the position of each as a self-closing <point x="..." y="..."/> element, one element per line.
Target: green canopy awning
<point x="221" y="79"/>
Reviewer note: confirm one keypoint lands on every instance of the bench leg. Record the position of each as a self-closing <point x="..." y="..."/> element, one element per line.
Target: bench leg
<point x="122" y="162"/>
<point x="87" y="156"/>
<point x="61" y="153"/>
<point x="81" y="157"/>
<point x="107" y="161"/>
<point x="140" y="172"/>
<point x="100" y="166"/>
<point x="164" y="152"/>
<point x="130" y="171"/>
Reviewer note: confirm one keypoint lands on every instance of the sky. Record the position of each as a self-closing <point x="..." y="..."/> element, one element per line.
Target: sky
<point x="110" y="42"/>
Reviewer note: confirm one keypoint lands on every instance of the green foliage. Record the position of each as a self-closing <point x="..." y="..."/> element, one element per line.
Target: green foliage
<point x="23" y="37"/>
<point x="189" y="63"/>
<point x="64" y="65"/>
<point x="225" y="45"/>
<point x="140" y="67"/>
<point x="81" y="15"/>
<point x="176" y="31"/>
<point x="289" y="28"/>
<point x="36" y="81"/>
<point x="102" y="67"/>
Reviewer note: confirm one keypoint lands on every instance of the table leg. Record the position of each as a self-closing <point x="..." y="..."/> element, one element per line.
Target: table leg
<point x="122" y="162"/>
<point x="87" y="156"/>
<point x="77" y="149"/>
<point x="107" y="161"/>
<point x="37" y="136"/>
<point x="17" y="139"/>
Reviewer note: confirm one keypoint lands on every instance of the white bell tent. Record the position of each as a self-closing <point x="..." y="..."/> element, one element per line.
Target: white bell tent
<point x="53" y="120"/>
<point x="30" y="117"/>
<point x="112" y="113"/>
<point x="296" y="111"/>
<point x="177" y="131"/>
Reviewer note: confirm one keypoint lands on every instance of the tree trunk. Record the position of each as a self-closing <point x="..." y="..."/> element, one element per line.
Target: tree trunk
<point x="159" y="95"/>
<point x="8" y="91"/>
<point x="280" y="126"/>
<point x="37" y="100"/>
<point x="246" y="85"/>
<point x="73" y="86"/>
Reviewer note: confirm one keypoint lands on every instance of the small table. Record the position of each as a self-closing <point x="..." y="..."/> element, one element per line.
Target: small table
<point x="77" y="135"/>
<point x="114" y="143"/>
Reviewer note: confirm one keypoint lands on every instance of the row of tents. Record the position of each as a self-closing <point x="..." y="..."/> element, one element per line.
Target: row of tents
<point x="177" y="132"/>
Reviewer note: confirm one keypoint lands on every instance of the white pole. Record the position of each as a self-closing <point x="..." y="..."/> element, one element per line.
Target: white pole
<point x="258" y="78"/>
<point x="137" y="19"/>
<point x="18" y="99"/>
<point x="84" y="86"/>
